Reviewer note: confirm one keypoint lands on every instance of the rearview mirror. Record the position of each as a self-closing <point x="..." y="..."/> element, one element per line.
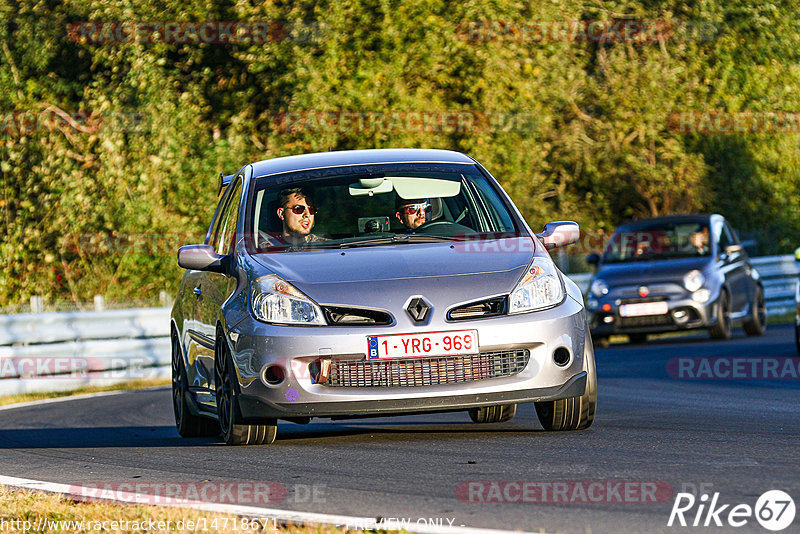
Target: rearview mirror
<point x="559" y="234"/>
<point x="200" y="258"/>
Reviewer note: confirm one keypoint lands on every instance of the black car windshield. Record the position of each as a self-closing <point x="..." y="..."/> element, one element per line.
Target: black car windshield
<point x="374" y="205"/>
<point x="658" y="241"/>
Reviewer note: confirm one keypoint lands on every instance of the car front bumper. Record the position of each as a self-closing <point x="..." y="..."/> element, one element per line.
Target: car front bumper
<point x="256" y="346"/>
<point x="683" y="314"/>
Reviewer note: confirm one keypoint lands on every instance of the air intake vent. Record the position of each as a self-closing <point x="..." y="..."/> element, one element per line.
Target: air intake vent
<point x="341" y="316"/>
<point x="406" y="372"/>
<point x="480" y="309"/>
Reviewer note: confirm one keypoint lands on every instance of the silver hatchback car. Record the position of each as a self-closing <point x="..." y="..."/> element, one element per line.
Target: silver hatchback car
<point x="374" y="283"/>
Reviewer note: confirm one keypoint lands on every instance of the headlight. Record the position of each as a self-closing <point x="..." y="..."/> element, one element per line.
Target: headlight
<point x="693" y="281"/>
<point x="275" y="300"/>
<point x="599" y="288"/>
<point x="540" y="288"/>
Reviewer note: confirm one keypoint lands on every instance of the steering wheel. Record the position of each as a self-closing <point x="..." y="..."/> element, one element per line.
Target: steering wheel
<point x="450" y="228"/>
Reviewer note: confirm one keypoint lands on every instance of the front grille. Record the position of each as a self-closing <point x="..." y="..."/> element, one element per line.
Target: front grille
<point x="646" y="320"/>
<point x="426" y="371"/>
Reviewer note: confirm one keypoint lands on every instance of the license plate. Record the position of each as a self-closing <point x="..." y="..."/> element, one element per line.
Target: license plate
<point x="461" y="342"/>
<point x="643" y="308"/>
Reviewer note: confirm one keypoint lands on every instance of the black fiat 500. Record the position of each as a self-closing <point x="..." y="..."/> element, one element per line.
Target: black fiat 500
<point x="674" y="273"/>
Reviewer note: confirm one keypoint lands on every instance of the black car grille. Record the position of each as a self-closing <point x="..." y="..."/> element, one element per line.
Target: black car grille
<point x="646" y="320"/>
<point x="426" y="371"/>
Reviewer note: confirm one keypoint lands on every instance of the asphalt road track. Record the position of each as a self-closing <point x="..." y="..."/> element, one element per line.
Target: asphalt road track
<point x="736" y="437"/>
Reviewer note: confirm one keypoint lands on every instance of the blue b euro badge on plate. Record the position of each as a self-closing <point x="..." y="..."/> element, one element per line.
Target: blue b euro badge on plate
<point x="372" y="347"/>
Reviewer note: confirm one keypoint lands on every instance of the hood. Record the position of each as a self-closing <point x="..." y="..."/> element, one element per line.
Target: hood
<point x="368" y="276"/>
<point x="650" y="271"/>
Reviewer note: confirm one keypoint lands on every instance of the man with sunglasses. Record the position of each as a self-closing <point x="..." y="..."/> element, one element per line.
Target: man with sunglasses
<point x="296" y="210"/>
<point x="413" y="213"/>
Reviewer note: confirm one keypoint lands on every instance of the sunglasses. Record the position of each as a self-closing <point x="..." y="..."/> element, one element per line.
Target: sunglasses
<point x="299" y="209"/>
<point x="414" y="208"/>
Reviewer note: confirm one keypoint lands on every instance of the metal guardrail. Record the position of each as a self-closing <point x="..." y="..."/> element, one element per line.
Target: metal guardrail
<point x="779" y="274"/>
<point x="61" y="351"/>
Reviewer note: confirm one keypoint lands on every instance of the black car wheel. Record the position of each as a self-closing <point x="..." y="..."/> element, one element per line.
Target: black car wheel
<point x="722" y="328"/>
<point x="226" y="389"/>
<point x="637" y="339"/>
<point x="757" y="322"/>
<point x="574" y="413"/>
<point x="188" y="425"/>
<point x="493" y="414"/>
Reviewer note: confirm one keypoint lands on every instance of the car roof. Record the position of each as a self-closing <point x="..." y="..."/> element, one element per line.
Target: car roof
<point x="681" y="218"/>
<point x="357" y="157"/>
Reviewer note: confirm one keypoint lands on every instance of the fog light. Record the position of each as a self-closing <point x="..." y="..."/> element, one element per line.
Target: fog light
<point x="561" y="356"/>
<point x="608" y="319"/>
<point x="701" y="295"/>
<point x="680" y="316"/>
<point x="273" y="374"/>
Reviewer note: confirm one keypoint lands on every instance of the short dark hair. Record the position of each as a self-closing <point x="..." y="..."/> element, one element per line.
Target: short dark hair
<point x="286" y="194"/>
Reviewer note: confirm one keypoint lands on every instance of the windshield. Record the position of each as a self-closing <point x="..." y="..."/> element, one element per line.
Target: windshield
<point x="658" y="241"/>
<point x="374" y="205"/>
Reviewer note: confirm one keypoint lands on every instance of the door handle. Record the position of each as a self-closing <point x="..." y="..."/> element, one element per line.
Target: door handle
<point x="197" y="291"/>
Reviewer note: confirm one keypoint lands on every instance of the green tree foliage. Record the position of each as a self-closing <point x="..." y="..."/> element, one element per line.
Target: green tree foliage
<point x="110" y="152"/>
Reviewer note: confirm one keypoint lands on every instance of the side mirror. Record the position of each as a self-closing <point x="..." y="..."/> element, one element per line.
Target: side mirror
<point x="200" y="258"/>
<point x="593" y="259"/>
<point x="559" y="234"/>
<point x="732" y="250"/>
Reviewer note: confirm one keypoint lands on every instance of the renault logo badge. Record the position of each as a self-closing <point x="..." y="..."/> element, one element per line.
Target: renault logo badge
<point x="418" y="309"/>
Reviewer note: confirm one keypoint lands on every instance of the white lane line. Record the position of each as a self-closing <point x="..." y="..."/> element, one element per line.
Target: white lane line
<point x="75" y="397"/>
<point x="280" y="516"/>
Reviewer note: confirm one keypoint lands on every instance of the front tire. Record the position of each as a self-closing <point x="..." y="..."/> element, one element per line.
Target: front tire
<point x="637" y="339"/>
<point x="234" y="432"/>
<point x="574" y="413"/>
<point x="187" y="425"/>
<point x="493" y="414"/>
<point x="757" y="322"/>
<point x="722" y="330"/>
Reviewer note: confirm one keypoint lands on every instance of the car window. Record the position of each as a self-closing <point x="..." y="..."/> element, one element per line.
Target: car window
<point x="725" y="238"/>
<point x="213" y="228"/>
<point x="734" y="237"/>
<point x="384" y="204"/>
<point x="225" y="237"/>
<point x="658" y="241"/>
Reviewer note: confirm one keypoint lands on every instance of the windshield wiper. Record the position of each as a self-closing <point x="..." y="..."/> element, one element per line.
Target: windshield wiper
<point x="424" y="238"/>
<point x="397" y="238"/>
